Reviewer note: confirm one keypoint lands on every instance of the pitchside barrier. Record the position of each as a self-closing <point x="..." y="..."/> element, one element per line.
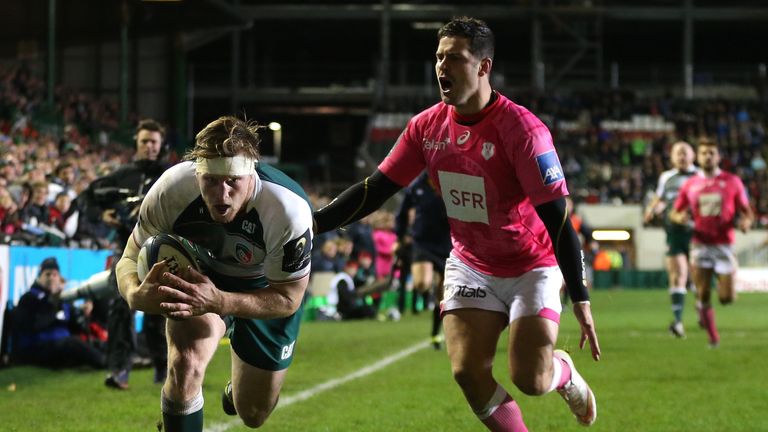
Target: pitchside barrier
<point x="753" y="273"/>
<point x="748" y="279"/>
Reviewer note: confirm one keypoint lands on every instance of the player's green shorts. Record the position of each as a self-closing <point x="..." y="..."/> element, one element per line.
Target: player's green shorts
<point x="678" y="240"/>
<point x="265" y="344"/>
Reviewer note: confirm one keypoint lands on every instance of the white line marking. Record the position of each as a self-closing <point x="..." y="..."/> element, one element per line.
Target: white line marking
<point x="328" y="385"/>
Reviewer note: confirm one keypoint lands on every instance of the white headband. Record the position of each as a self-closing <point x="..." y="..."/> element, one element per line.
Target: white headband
<point x="226" y="166"/>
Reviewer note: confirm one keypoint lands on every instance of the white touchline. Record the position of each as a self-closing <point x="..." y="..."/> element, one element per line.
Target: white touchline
<point x="306" y="394"/>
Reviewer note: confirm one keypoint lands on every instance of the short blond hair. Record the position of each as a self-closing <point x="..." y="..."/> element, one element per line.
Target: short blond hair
<point x="227" y="136"/>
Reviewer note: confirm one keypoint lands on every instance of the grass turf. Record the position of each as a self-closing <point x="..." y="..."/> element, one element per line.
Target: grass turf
<point x="646" y="381"/>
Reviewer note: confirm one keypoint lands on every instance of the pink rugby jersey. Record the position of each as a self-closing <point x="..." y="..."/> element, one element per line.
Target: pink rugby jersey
<point x="714" y="202"/>
<point x="491" y="170"/>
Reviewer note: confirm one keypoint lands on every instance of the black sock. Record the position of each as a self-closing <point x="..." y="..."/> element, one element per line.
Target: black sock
<point x="436" y="321"/>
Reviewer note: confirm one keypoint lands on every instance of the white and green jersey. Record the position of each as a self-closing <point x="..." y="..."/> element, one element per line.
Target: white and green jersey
<point x="271" y="239"/>
<point x="670" y="182"/>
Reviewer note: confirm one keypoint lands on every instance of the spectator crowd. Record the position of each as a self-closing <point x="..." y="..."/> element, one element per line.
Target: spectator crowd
<point x="48" y="157"/>
<point x="612" y="145"/>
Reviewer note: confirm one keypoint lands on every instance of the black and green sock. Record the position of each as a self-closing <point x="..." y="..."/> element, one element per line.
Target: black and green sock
<point x="182" y="416"/>
<point x="677" y="296"/>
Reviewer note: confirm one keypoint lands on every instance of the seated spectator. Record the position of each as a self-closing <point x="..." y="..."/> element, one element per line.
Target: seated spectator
<point x="21" y="194"/>
<point x="63" y="216"/>
<point x="326" y="260"/>
<point x="36" y="211"/>
<point x="348" y="301"/>
<point x="366" y="272"/>
<point x="361" y="235"/>
<point x="9" y="214"/>
<point x="63" y="181"/>
<point x="46" y="331"/>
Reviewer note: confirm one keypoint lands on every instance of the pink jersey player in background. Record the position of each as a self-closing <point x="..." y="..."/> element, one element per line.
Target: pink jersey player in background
<point x="717" y="202"/>
<point x="496" y="168"/>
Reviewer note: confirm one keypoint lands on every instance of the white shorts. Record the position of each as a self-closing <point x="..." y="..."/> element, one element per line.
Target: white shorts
<point x="535" y="293"/>
<point x="717" y="257"/>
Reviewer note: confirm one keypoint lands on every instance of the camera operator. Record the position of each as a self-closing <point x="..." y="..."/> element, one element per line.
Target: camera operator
<point x="112" y="202"/>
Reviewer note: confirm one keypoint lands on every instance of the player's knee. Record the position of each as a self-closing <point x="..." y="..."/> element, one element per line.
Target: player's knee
<point x="254" y="418"/>
<point x="531" y="384"/>
<point x="185" y="370"/>
<point x="726" y="300"/>
<point x="465" y="376"/>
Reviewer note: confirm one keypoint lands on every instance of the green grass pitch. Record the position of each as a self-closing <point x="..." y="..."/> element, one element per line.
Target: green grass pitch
<point x="646" y="381"/>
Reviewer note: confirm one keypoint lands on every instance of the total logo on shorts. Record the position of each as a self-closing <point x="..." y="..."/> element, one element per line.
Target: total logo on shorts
<point x="465" y="291"/>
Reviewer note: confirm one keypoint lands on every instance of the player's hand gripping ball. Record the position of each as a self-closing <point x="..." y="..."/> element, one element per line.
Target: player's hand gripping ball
<point x="166" y="247"/>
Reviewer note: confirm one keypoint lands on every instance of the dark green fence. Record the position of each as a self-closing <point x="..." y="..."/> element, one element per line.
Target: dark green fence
<point x="630" y="279"/>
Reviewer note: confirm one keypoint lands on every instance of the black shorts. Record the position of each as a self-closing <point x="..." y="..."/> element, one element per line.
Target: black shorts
<point x="427" y="254"/>
<point x="678" y="240"/>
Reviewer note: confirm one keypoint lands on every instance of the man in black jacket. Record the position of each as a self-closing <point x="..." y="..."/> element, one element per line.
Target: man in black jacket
<point x="46" y="329"/>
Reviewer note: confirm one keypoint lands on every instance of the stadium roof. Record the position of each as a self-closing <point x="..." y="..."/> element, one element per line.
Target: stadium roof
<point x="87" y="20"/>
<point x="84" y="21"/>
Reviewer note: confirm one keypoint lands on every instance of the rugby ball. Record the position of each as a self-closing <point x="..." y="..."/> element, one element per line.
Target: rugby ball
<point x="168" y="247"/>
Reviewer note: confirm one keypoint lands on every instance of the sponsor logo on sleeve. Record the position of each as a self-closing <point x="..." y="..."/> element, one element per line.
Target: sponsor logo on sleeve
<point x="549" y="167"/>
<point x="296" y="253"/>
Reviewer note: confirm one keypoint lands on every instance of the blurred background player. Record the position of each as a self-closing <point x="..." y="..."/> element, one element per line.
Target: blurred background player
<point x="678" y="235"/>
<point x="422" y="223"/>
<point x="496" y="167"/>
<point x="255" y="225"/>
<point x="717" y="201"/>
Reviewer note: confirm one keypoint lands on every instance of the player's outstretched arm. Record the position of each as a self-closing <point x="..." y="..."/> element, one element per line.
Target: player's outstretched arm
<point x="570" y="257"/>
<point x="583" y="313"/>
<point x="355" y="203"/>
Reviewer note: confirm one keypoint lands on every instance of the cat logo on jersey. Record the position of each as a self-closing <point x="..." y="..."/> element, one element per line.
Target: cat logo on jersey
<point x="296" y="253"/>
<point x="549" y="167"/>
